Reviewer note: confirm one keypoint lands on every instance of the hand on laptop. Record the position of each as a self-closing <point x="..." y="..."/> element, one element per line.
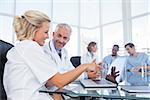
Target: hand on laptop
<point x="112" y="77"/>
<point x="94" y="72"/>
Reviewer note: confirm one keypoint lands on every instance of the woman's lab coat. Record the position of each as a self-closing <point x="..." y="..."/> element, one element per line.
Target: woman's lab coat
<point x="27" y="71"/>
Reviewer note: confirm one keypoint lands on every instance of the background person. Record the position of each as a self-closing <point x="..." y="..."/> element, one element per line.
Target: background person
<point x="110" y="58"/>
<point x="89" y="56"/>
<point x="134" y="60"/>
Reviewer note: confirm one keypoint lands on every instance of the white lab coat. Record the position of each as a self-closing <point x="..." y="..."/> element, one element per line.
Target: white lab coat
<point x="87" y="58"/>
<point x="27" y="71"/>
<point x="63" y="64"/>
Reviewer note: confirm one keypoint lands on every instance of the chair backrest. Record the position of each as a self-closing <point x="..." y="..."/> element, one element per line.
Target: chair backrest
<point x="4" y="47"/>
<point x="75" y="60"/>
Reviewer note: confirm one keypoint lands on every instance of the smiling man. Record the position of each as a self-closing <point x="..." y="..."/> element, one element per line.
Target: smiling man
<point x="56" y="51"/>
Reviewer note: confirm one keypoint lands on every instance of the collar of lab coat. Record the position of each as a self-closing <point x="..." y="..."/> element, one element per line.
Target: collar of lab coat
<point x="63" y="63"/>
<point x="90" y="54"/>
<point x="53" y="49"/>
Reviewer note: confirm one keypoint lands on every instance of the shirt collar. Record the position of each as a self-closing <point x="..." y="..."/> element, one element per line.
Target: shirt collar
<point x="90" y="54"/>
<point x="53" y="47"/>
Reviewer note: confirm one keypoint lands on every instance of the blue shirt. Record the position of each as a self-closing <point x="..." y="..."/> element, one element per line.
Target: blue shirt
<point x="140" y="60"/>
<point x="108" y="60"/>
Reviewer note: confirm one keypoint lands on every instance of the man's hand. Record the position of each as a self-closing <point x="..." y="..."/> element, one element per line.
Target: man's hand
<point x="93" y="66"/>
<point x="112" y="77"/>
<point x="136" y="69"/>
<point x="93" y="74"/>
<point x="93" y="71"/>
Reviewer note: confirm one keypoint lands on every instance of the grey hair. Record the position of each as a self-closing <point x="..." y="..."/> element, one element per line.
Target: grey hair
<point x="63" y="25"/>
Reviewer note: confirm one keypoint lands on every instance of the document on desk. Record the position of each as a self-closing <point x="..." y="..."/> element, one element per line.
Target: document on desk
<point x="88" y="83"/>
<point x="136" y="89"/>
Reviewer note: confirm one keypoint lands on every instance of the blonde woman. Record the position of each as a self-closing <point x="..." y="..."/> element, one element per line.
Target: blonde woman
<point x="28" y="68"/>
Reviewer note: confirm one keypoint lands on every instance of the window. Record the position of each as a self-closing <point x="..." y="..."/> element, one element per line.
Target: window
<point x="65" y="11"/>
<point x="6" y="31"/>
<point x="87" y="36"/>
<point x="139" y="7"/>
<point x="111" y="10"/>
<point x="72" y="45"/>
<point x="140" y="33"/>
<point x="89" y="13"/>
<point x="112" y="34"/>
<point x="7" y="7"/>
<point x="24" y="5"/>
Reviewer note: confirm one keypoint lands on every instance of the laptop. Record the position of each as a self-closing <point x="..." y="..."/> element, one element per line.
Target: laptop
<point x="88" y="83"/>
<point x="136" y="89"/>
<point x="119" y="63"/>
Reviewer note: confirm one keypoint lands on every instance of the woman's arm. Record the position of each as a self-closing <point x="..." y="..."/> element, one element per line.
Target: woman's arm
<point x="61" y="80"/>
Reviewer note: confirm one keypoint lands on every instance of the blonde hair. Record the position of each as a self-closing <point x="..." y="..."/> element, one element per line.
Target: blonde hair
<point x="64" y="25"/>
<point x="27" y="24"/>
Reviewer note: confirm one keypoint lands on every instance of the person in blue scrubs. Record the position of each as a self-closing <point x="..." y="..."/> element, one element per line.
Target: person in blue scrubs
<point x="135" y="60"/>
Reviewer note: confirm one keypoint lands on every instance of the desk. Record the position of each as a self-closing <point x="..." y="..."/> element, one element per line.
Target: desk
<point x="75" y="90"/>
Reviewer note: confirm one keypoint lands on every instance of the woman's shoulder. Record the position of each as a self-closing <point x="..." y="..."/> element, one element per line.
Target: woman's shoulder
<point x="27" y="44"/>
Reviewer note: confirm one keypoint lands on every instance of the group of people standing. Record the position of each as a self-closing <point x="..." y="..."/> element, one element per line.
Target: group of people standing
<point x="33" y="64"/>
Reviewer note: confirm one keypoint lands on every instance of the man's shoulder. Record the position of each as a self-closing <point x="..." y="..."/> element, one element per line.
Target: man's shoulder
<point x="108" y="57"/>
<point x="143" y="54"/>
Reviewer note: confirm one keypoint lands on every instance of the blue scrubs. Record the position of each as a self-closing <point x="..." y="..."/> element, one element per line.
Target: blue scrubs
<point x="140" y="60"/>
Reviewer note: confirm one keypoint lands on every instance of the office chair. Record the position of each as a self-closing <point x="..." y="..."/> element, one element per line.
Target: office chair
<point x="75" y="60"/>
<point x="4" y="47"/>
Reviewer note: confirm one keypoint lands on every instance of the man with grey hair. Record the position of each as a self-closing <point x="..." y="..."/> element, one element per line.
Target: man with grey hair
<point x="56" y="51"/>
